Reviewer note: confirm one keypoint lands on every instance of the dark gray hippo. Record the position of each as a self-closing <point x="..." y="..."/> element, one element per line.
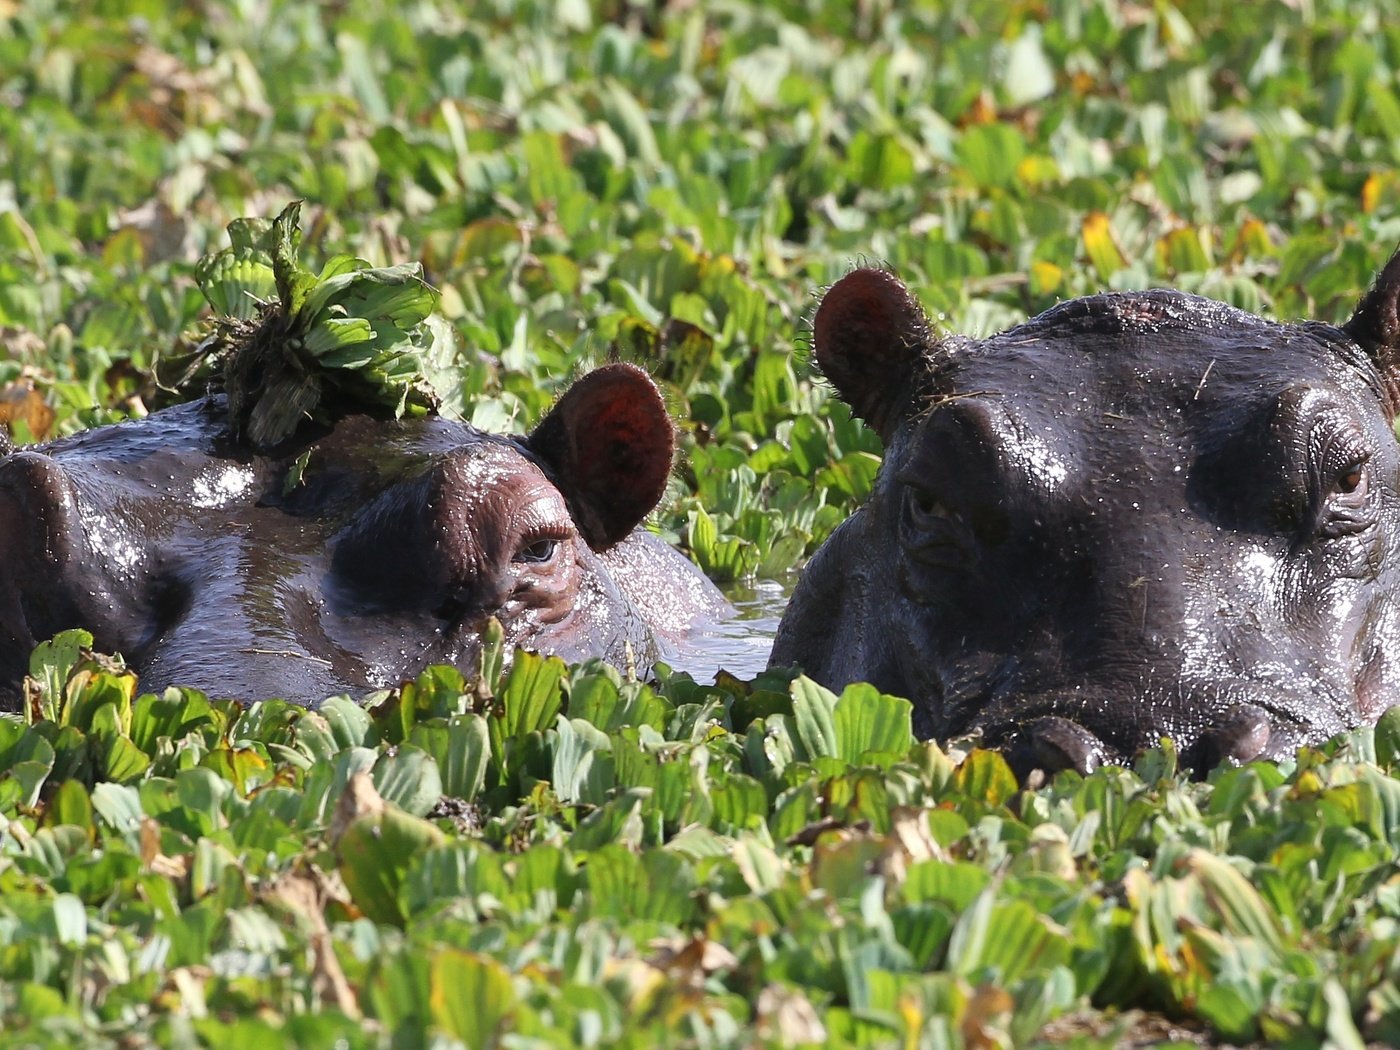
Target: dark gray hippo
<point x="1137" y="515"/>
<point x="351" y="559"/>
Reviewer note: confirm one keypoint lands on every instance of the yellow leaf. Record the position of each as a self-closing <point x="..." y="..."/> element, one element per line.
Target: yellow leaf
<point x="1102" y="248"/>
<point x="985" y="775"/>
<point x="1036" y="170"/>
<point x="1045" y="277"/>
<point x="1253" y="239"/>
<point x="1370" y="193"/>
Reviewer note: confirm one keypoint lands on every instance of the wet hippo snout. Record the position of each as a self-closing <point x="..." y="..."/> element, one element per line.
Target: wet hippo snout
<point x="1052" y="743"/>
<point x="1241" y="735"/>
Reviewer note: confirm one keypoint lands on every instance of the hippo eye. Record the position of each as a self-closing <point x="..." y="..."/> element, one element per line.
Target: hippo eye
<point x="1346" y="509"/>
<point x="1352" y="478"/>
<point x="538" y="551"/>
<point x="926" y="509"/>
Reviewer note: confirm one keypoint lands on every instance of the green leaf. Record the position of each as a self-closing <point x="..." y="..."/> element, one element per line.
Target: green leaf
<point x="375" y="854"/>
<point x="1388" y="738"/>
<point x="532" y="694"/>
<point x="1341" y="1029"/>
<point x="1029" y="75"/>
<point x="235" y="285"/>
<point x="70" y="805"/>
<point x="813" y="713"/>
<point x="118" y="806"/>
<point x="619" y="821"/>
<point x="70" y="926"/>
<point x="583" y="765"/>
<point x="49" y="666"/>
<point x="341" y="342"/>
<point x="990" y="153"/>
<point x="170" y="716"/>
<point x="409" y="779"/>
<point x="471" y="996"/>
<point x="1242" y="911"/>
<point x="293" y="282"/>
<point x="122" y="761"/>
<point x="865" y="720"/>
<point x="348" y="722"/>
<point x="31" y="763"/>
<point x="462" y="750"/>
<point x="739" y="802"/>
<point x="654" y="885"/>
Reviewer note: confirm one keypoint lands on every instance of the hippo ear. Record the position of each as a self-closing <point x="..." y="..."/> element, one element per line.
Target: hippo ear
<point x="1376" y="324"/>
<point x="608" y="442"/>
<point x="869" y="338"/>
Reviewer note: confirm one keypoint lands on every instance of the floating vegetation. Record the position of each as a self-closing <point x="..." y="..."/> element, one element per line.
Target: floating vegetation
<point x="297" y="346"/>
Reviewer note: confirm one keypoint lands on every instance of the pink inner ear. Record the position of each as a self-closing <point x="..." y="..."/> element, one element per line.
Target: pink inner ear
<point x="865" y="304"/>
<point x="868" y="335"/>
<point x="609" y="443"/>
<point x="626" y="441"/>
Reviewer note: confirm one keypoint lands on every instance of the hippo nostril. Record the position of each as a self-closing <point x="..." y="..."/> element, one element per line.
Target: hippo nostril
<point x="1240" y="736"/>
<point x="452" y="610"/>
<point x="485" y="595"/>
<point x="1052" y="744"/>
<point x="468" y="608"/>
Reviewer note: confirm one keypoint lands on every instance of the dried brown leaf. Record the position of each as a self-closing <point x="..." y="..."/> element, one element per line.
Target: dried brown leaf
<point x="360" y="799"/>
<point x="19" y="401"/>
<point x="155" y="861"/>
<point x="304" y="894"/>
<point x="788" y="1017"/>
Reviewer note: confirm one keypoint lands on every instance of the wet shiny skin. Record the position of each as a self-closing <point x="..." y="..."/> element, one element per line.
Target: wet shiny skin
<point x="1136" y="516"/>
<point x="206" y="566"/>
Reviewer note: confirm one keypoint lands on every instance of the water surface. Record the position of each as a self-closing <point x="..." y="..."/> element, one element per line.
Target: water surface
<point x="739" y="645"/>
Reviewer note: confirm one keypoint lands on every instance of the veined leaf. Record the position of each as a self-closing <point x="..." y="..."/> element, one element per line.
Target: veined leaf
<point x="1235" y="899"/>
<point x="813" y="713"/>
<point x="471" y="996"/>
<point x="293" y="282"/>
<point x="866" y="720"/>
<point x="340" y="334"/>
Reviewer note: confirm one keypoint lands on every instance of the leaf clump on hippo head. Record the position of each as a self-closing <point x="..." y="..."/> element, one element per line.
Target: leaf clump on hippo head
<point x="1138" y="515"/>
<point x="294" y="345"/>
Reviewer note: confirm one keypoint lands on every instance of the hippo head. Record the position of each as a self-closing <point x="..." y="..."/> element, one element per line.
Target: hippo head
<point x="350" y="559"/>
<point x="1136" y="516"/>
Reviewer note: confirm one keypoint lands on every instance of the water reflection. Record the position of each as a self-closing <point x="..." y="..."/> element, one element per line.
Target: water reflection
<point x="741" y="645"/>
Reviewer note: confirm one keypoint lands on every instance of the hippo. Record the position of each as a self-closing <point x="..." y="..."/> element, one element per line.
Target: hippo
<point x="350" y="558"/>
<point x="1135" y="516"/>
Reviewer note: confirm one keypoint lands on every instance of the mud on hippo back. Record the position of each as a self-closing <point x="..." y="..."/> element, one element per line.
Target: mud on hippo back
<point x="1137" y="515"/>
<point x="382" y="552"/>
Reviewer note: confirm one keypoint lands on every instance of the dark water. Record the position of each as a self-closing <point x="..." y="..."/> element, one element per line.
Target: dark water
<point x="741" y="645"/>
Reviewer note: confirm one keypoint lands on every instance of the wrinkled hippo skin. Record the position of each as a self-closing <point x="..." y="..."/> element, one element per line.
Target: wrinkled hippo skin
<point x="209" y="566"/>
<point x="1137" y="515"/>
